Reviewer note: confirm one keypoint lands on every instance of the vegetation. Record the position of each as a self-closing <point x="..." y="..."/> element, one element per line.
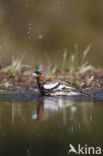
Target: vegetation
<point x="73" y="69"/>
<point x="76" y="64"/>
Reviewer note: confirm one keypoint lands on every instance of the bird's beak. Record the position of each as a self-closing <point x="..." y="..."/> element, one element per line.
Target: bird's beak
<point x="35" y="75"/>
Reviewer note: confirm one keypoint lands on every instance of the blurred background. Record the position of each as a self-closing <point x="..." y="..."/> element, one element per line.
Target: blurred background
<point x="40" y="28"/>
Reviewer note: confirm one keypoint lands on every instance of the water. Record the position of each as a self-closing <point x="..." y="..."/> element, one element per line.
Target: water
<point x="33" y="125"/>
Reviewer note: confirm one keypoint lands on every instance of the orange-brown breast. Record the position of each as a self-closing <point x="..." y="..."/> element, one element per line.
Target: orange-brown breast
<point x="42" y="77"/>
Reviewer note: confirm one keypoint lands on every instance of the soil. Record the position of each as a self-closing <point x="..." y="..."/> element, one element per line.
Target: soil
<point x="22" y="82"/>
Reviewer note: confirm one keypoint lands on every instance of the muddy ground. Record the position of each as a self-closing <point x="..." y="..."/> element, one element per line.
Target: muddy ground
<point x="27" y="83"/>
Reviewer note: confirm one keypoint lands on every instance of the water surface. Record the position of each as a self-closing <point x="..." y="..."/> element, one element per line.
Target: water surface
<point x="44" y="126"/>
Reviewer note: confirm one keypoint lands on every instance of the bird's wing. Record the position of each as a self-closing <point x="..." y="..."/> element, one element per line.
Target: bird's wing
<point x="56" y="86"/>
<point x="63" y="86"/>
<point x="50" y="85"/>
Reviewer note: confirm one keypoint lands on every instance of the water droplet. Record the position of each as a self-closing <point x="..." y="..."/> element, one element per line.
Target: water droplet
<point x="29" y="28"/>
<point x="40" y="36"/>
<point x="26" y="5"/>
<point x="58" y="2"/>
<point x="60" y="14"/>
<point x="28" y="32"/>
<point x="29" y="24"/>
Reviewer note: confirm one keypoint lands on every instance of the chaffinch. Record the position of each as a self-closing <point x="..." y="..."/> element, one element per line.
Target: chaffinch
<point x="47" y="86"/>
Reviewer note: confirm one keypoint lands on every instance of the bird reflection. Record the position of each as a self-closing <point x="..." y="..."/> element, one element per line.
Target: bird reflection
<point x="40" y="110"/>
<point x="48" y="106"/>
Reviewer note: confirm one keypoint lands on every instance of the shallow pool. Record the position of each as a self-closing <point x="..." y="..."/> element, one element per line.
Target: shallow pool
<point x="33" y="125"/>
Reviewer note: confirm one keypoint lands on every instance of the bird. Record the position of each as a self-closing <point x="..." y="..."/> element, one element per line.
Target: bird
<point x="47" y="86"/>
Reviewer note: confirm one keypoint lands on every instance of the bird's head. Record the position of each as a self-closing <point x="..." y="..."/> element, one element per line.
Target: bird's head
<point x="41" y="76"/>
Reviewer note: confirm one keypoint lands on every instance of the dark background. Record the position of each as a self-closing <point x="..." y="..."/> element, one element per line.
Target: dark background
<point x="47" y="27"/>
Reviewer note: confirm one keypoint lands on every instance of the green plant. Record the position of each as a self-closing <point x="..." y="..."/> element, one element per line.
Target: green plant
<point x="75" y="62"/>
<point x="50" y="68"/>
<point x="64" y="59"/>
<point x="78" y="63"/>
<point x="16" y="65"/>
